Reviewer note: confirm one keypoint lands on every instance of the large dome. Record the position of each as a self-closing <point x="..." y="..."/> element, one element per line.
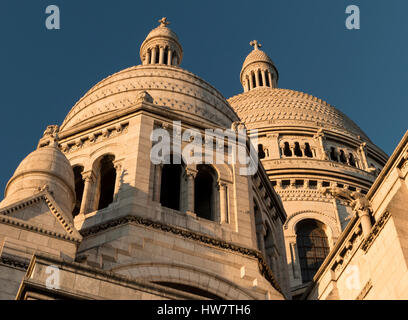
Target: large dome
<point x="266" y="106"/>
<point x="171" y="87"/>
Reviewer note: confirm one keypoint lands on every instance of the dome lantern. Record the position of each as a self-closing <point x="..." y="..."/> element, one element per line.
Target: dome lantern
<point x="258" y="70"/>
<point x="161" y="46"/>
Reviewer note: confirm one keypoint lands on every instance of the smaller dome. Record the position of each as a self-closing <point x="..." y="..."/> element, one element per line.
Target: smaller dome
<point x="162" y="31"/>
<point x="46" y="166"/>
<point x="161" y="46"/>
<point x="258" y="70"/>
<point x="256" y="56"/>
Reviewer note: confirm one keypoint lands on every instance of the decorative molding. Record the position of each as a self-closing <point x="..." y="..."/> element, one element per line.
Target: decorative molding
<point x="375" y="231"/>
<point x="94" y="137"/>
<point x="349" y="247"/>
<point x="363" y="293"/>
<point x="15" y="263"/>
<point x="264" y="268"/>
<point x="6" y="219"/>
<point x="290" y="217"/>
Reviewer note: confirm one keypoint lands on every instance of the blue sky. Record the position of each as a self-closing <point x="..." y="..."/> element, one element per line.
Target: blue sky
<point x="364" y="73"/>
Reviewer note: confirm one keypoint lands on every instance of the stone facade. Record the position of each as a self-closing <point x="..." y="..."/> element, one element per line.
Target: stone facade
<point x="88" y="203"/>
<point x="304" y="144"/>
<point x="90" y="215"/>
<point x="372" y="264"/>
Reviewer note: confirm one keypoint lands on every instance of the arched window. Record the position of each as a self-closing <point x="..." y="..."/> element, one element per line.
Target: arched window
<point x="157" y="55"/>
<point x="342" y="157"/>
<point x="261" y="152"/>
<point x="166" y="55"/>
<point x="253" y="80"/>
<point x="298" y="152"/>
<point x="260" y="78"/>
<point x="204" y="195"/>
<point x="170" y="187"/>
<point x="267" y="79"/>
<point x="286" y="150"/>
<point x="107" y="173"/>
<point x="352" y="161"/>
<point x="308" y="151"/>
<point x="333" y="154"/>
<point x="313" y="247"/>
<point x="79" y="189"/>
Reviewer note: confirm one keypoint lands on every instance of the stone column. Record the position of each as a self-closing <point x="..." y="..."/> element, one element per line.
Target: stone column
<point x="363" y="154"/>
<point x="157" y="182"/>
<point x="365" y="222"/>
<point x="251" y="82"/>
<point x="147" y="59"/>
<point x="264" y="78"/>
<point x="257" y="78"/>
<point x="270" y="80"/>
<point x="118" y="180"/>
<point x="190" y="189"/>
<point x="319" y="136"/>
<point x="161" y="55"/>
<point x="223" y="202"/>
<point x="153" y="58"/>
<point x="169" y="57"/>
<point x="88" y="178"/>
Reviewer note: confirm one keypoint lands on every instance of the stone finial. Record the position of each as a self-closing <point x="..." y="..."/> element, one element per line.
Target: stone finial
<point x="50" y="137"/>
<point x="255" y="44"/>
<point x="163" y="22"/>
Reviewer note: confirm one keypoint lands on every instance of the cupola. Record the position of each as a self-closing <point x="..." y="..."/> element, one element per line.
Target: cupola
<point x="161" y="46"/>
<point x="258" y="70"/>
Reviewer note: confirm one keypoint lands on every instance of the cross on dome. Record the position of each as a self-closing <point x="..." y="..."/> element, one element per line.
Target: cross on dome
<point x="255" y="44"/>
<point x="163" y="22"/>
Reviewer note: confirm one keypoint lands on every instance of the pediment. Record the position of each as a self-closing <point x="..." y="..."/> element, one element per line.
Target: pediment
<point x="40" y="213"/>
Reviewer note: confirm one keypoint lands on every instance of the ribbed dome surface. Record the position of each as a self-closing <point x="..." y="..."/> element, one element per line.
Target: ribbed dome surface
<point x="171" y="88"/>
<point x="256" y="56"/>
<point x="289" y="107"/>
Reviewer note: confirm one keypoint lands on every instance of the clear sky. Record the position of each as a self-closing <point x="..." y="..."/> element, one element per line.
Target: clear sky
<point x="364" y="73"/>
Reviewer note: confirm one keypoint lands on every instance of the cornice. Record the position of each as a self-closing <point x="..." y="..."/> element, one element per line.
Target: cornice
<point x="264" y="268"/>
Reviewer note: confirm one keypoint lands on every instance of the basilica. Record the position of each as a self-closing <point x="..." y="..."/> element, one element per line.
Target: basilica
<point x="90" y="215"/>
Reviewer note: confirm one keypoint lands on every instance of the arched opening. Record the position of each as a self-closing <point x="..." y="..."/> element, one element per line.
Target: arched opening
<point x="261" y="152"/>
<point x="286" y="150"/>
<point x="253" y="80"/>
<point x="166" y="55"/>
<point x="259" y="227"/>
<point x="352" y="161"/>
<point x="308" y="151"/>
<point x="79" y="189"/>
<point x="297" y="151"/>
<point x="313" y="247"/>
<point x="260" y="78"/>
<point x="267" y="79"/>
<point x="157" y="55"/>
<point x="204" y="185"/>
<point x="170" y="187"/>
<point x="333" y="154"/>
<point x="107" y="177"/>
<point x="342" y="157"/>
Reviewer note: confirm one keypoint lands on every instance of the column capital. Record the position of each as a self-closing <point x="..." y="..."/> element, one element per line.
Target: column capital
<point x="191" y="173"/>
<point x="88" y="176"/>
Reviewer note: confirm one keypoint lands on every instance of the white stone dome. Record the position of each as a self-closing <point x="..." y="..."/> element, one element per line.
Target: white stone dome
<point x="272" y="106"/>
<point x="171" y="87"/>
<point x="46" y="166"/>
